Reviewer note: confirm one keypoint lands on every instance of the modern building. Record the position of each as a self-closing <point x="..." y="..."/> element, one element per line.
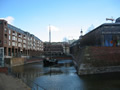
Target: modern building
<point x="17" y="42"/>
<point x="105" y="35"/>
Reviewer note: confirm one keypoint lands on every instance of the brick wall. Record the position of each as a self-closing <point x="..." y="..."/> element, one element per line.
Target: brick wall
<point x="93" y="60"/>
<point x="102" y="56"/>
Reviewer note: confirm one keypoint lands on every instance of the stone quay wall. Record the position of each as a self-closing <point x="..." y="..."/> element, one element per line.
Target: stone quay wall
<point x="94" y="60"/>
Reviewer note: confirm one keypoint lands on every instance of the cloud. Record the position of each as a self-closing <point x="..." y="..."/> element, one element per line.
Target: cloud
<point x="53" y="28"/>
<point x="9" y="19"/>
<point x="90" y="28"/>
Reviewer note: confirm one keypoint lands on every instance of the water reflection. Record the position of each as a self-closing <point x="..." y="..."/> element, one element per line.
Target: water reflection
<point x="109" y="81"/>
<point x="63" y="77"/>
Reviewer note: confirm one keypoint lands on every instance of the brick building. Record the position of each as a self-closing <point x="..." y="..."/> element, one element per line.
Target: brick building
<point x="98" y="51"/>
<point x="56" y="48"/>
<point x="17" y="42"/>
<point x="107" y="35"/>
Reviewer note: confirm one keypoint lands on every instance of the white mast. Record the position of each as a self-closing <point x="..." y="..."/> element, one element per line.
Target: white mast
<point x="49" y="34"/>
<point x="50" y="40"/>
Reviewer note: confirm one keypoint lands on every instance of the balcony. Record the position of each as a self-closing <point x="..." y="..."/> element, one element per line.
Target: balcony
<point x="24" y="41"/>
<point x="19" y="40"/>
<point x="20" y="36"/>
<point x="19" y="45"/>
<point x="24" y="37"/>
<point x="13" y="34"/>
<point x="14" y="38"/>
<point x="24" y="46"/>
<point x="13" y="44"/>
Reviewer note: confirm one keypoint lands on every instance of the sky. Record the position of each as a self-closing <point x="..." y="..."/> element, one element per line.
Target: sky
<point x="66" y="17"/>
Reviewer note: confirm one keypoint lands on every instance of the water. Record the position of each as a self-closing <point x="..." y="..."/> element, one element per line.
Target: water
<point x="63" y="76"/>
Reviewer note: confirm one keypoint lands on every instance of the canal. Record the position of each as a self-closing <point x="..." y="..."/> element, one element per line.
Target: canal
<point x="63" y="76"/>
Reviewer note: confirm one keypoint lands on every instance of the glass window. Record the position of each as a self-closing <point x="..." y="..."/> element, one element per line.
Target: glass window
<point x="13" y="43"/>
<point x="9" y="31"/>
<point x="16" y="43"/>
<point x="13" y="38"/>
<point x="9" y="37"/>
<point x="108" y="40"/>
<point x="0" y="22"/>
<point x="9" y="43"/>
<point x="5" y="42"/>
<point x="5" y="35"/>
<point x="5" y="30"/>
<point x="111" y="40"/>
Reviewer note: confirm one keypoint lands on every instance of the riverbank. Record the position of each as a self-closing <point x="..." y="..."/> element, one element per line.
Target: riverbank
<point x="17" y="61"/>
<point x="8" y="82"/>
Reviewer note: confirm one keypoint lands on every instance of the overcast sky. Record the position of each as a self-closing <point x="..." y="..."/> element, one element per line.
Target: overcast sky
<point x="66" y="17"/>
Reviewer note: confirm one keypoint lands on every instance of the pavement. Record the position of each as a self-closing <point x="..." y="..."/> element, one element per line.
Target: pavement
<point x="8" y="82"/>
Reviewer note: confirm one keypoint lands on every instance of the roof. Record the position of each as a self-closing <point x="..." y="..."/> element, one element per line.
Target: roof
<point x="117" y="20"/>
<point x="16" y="29"/>
<point x="105" y="24"/>
<point x="21" y="31"/>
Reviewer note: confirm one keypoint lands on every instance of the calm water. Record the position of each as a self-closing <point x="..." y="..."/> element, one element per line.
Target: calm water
<point x="63" y="76"/>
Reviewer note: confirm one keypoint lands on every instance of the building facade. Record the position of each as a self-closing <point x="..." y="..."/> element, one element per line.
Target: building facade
<point x="105" y="35"/>
<point x="56" y="48"/>
<point x="17" y="42"/>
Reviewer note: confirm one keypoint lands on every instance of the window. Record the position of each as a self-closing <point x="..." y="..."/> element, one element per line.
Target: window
<point x="19" y="40"/>
<point x="111" y="40"/>
<point x="9" y="37"/>
<point x="16" y="43"/>
<point x="24" y="45"/>
<point x="108" y="40"/>
<point x="5" y="29"/>
<point x="13" y="38"/>
<point x="24" y="37"/>
<point x="24" y="41"/>
<point x="9" y="31"/>
<point x="13" y="43"/>
<point x="19" y="45"/>
<point x="13" y="33"/>
<point x="19" y="35"/>
<point x="5" y="42"/>
<point x="5" y="23"/>
<point x="5" y="35"/>
<point x="0" y="22"/>
<point x="9" y="43"/>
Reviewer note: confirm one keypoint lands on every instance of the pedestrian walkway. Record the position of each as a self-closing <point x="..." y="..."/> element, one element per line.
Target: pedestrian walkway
<point x="8" y="82"/>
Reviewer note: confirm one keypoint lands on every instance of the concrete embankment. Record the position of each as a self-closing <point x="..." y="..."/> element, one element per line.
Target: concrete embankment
<point x="8" y="82"/>
<point x="21" y="61"/>
<point x="94" y="60"/>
